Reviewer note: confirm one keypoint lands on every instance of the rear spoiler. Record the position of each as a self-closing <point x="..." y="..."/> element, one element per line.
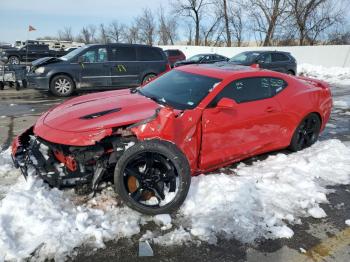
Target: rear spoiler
<point x="314" y="82"/>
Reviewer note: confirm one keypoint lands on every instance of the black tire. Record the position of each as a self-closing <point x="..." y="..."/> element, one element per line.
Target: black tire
<point x="148" y="78"/>
<point x="290" y="72"/>
<point x="176" y="163"/>
<point x="2" y="86"/>
<point x="62" y="85"/>
<point x="13" y="60"/>
<point x="306" y="133"/>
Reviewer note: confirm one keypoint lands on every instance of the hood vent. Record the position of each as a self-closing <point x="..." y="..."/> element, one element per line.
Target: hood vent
<point x="99" y="114"/>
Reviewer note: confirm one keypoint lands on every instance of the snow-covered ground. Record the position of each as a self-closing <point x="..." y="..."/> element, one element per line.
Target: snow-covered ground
<point x="257" y="201"/>
<point x="339" y="76"/>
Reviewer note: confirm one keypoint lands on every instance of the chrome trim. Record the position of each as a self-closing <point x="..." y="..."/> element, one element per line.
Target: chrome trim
<point x="109" y="76"/>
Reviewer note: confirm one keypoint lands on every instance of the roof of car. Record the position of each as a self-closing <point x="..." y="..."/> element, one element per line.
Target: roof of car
<point x="266" y="51"/>
<point x="217" y="70"/>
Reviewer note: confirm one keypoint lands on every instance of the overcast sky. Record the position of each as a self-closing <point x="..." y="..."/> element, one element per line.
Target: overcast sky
<point x="48" y="16"/>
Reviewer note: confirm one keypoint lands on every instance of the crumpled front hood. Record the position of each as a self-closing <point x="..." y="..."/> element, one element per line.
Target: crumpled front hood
<point x="100" y="111"/>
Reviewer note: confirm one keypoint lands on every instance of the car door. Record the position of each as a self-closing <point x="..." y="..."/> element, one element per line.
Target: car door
<point x="124" y="66"/>
<point x="252" y="126"/>
<point x="94" y="68"/>
<point x="265" y="61"/>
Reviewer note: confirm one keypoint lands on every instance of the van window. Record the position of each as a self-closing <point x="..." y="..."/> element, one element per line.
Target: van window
<point x="123" y="53"/>
<point x="149" y="54"/>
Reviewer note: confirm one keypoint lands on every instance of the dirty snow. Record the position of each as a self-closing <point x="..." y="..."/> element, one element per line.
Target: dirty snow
<point x="333" y="75"/>
<point x="347" y="222"/>
<point x="262" y="200"/>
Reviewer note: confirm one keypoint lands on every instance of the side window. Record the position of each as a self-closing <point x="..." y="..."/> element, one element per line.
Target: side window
<point x="207" y="58"/>
<point x="278" y="57"/>
<point x="89" y="56"/>
<point x="102" y="55"/>
<point x="277" y="85"/>
<point x="265" y="57"/>
<point x="149" y="54"/>
<point x="251" y="89"/>
<point x="124" y="53"/>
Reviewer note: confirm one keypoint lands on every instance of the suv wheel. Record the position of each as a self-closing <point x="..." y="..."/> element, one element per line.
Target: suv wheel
<point x="148" y="78"/>
<point x="153" y="177"/>
<point x="62" y="85"/>
<point x="13" y="60"/>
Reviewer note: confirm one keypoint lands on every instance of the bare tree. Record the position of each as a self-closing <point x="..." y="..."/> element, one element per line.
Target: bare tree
<point x="87" y="34"/>
<point x="193" y="9"/>
<point x="312" y="17"/>
<point x="167" y="28"/>
<point x="267" y="15"/>
<point x="104" y="38"/>
<point x="212" y="30"/>
<point x="227" y="22"/>
<point x="132" y="34"/>
<point x="147" y="27"/>
<point x="65" y="34"/>
<point x="116" y="32"/>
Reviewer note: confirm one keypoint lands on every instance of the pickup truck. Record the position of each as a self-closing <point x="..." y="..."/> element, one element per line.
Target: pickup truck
<point x="29" y="53"/>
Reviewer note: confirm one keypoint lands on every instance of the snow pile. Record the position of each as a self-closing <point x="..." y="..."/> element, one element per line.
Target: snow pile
<point x="260" y="201"/>
<point x="7" y="175"/>
<point x="333" y="75"/>
<point x="341" y="104"/>
<point x="262" y="198"/>
<point x="347" y="222"/>
<point x="37" y="220"/>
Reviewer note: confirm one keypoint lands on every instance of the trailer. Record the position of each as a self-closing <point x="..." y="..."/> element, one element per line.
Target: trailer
<point x="13" y="76"/>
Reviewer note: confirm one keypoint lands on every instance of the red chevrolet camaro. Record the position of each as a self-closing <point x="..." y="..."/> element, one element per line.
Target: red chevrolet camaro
<point x="150" y="140"/>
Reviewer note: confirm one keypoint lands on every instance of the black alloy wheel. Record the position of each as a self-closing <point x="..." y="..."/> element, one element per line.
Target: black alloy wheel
<point x="306" y="133"/>
<point x="152" y="177"/>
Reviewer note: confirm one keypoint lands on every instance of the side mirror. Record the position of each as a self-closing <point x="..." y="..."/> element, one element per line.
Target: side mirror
<point x="226" y="103"/>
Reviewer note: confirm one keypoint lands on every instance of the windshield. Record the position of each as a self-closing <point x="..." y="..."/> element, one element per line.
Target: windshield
<point x="73" y="53"/>
<point x="196" y="58"/>
<point x="245" y="57"/>
<point x="179" y="90"/>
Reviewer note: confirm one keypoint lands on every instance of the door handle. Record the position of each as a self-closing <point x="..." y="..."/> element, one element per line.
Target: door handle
<point x="270" y="109"/>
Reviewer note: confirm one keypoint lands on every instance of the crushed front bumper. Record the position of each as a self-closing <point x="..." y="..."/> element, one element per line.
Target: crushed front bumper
<point x="34" y="156"/>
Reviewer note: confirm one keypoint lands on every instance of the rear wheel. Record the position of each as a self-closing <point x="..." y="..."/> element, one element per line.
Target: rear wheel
<point x="148" y="78"/>
<point x="290" y="72"/>
<point x="153" y="177"/>
<point x="306" y="133"/>
<point x="2" y="85"/>
<point x="62" y="85"/>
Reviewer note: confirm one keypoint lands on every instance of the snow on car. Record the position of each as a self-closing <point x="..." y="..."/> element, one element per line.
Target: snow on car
<point x="191" y="120"/>
<point x="261" y="200"/>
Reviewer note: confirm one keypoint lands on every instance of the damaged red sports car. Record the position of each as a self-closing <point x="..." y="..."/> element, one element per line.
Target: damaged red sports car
<point x="150" y="140"/>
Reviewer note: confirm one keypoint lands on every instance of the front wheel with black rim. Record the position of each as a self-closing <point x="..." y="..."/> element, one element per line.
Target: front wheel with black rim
<point x="153" y="177"/>
<point x="62" y="85"/>
<point x="306" y="133"/>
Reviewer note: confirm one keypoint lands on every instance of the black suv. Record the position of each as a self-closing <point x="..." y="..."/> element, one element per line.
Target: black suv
<point x="273" y="60"/>
<point x="97" y="66"/>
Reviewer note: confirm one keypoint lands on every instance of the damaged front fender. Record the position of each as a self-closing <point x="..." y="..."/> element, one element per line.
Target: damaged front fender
<point x="180" y="128"/>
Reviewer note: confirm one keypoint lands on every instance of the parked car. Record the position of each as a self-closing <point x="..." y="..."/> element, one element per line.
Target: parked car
<point x="202" y="59"/>
<point x="29" y="53"/>
<point x="191" y="120"/>
<point x="96" y="67"/>
<point x="174" y="55"/>
<point x="278" y="61"/>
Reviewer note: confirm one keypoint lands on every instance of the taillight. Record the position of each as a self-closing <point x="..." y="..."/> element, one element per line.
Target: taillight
<point x="167" y="67"/>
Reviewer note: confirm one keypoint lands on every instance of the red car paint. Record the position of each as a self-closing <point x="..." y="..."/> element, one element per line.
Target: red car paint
<point x="207" y="136"/>
<point x="174" y="55"/>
